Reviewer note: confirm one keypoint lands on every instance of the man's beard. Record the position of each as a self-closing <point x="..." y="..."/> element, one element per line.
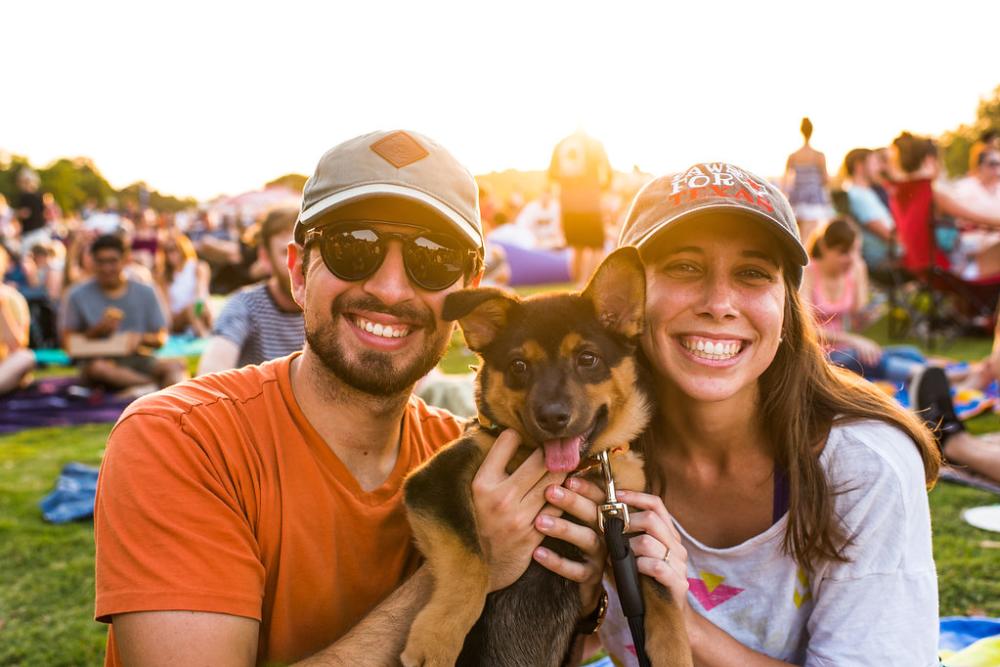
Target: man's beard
<point x="372" y="372"/>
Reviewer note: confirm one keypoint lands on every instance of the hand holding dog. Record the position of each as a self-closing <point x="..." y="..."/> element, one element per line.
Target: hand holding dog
<point x="658" y="550"/>
<point x="579" y="498"/>
<point x="506" y="507"/>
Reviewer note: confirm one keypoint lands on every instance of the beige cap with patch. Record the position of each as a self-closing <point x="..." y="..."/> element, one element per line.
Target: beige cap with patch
<point x="399" y="167"/>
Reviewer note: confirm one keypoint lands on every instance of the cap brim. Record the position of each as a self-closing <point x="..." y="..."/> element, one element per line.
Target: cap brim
<point x="790" y="243"/>
<point x="390" y="190"/>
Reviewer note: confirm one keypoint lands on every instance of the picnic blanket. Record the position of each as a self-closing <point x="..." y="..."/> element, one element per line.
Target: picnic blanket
<point x="176" y="346"/>
<point x="970" y="641"/>
<point x="57" y="402"/>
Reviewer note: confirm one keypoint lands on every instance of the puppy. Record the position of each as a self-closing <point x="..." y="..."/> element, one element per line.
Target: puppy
<point x="561" y="370"/>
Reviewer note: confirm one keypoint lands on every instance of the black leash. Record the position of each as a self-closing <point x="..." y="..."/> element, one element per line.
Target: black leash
<point x="613" y="520"/>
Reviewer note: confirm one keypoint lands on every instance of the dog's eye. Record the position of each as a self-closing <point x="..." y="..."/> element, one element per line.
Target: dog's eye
<point x="587" y="360"/>
<point x="518" y="367"/>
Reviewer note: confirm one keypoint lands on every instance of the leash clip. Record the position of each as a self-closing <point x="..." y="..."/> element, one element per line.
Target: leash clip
<point x="613" y="508"/>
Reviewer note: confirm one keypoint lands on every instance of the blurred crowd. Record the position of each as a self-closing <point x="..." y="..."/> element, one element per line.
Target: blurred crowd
<point x="109" y="284"/>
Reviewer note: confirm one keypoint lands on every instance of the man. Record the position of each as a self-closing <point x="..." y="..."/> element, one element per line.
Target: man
<point x="877" y="224"/>
<point x="259" y="322"/>
<point x="124" y="314"/>
<point x="255" y="516"/>
<point x="977" y="251"/>
<point x="30" y="209"/>
<point x="581" y="169"/>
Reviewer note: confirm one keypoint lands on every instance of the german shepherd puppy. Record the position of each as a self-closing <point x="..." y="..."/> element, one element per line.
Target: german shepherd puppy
<point x="560" y="370"/>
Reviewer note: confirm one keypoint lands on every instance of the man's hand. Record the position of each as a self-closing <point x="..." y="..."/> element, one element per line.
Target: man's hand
<point x="506" y="507"/>
<point x="105" y="327"/>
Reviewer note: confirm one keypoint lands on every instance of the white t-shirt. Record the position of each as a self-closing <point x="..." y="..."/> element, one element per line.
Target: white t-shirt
<point x="974" y="240"/>
<point x="879" y="609"/>
<point x="542" y="222"/>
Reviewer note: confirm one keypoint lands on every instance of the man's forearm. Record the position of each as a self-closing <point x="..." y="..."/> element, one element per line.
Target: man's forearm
<point x="380" y="637"/>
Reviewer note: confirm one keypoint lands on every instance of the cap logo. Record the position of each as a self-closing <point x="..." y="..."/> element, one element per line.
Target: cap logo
<point x="719" y="180"/>
<point x="399" y="149"/>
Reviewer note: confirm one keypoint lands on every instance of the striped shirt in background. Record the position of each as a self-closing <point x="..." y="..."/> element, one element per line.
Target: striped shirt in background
<point x="253" y="321"/>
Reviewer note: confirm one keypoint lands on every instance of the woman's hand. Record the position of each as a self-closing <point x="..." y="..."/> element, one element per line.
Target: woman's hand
<point x="658" y="551"/>
<point x="868" y="350"/>
<point x="579" y="498"/>
<point x="507" y="507"/>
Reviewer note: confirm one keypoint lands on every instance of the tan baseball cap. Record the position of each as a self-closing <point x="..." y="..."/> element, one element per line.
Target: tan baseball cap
<point x="713" y="187"/>
<point x="392" y="171"/>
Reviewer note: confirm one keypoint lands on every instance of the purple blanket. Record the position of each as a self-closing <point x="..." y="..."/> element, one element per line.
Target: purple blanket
<point x="57" y="402"/>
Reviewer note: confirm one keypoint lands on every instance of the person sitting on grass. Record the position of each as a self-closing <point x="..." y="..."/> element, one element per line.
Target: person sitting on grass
<point x="16" y="360"/>
<point x="109" y="304"/>
<point x="184" y="280"/>
<point x="834" y="283"/>
<point x="262" y="321"/>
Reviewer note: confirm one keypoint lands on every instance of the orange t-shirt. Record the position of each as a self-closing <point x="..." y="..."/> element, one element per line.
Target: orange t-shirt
<point x="218" y="495"/>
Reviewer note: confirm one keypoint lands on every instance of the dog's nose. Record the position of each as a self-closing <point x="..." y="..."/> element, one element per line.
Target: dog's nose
<point x="553" y="417"/>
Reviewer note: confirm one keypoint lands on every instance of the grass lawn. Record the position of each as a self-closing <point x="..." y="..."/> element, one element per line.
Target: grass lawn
<point x="46" y="595"/>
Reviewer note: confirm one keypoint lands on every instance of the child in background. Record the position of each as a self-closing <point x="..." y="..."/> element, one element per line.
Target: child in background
<point x="835" y="284"/>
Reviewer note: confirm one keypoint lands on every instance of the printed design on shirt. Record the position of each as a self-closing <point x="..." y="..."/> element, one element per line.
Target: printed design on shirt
<point x="803" y="592"/>
<point x="709" y="590"/>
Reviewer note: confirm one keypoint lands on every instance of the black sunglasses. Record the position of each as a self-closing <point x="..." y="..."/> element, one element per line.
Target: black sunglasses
<point x="355" y="250"/>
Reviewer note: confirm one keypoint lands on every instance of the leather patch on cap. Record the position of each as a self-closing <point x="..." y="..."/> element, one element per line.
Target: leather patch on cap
<point x="399" y="149"/>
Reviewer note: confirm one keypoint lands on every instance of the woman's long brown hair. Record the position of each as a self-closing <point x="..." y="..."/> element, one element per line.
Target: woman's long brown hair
<point x="802" y="397"/>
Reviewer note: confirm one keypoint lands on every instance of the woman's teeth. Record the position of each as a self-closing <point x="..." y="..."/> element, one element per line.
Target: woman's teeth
<point x="714" y="350"/>
<point x="383" y="330"/>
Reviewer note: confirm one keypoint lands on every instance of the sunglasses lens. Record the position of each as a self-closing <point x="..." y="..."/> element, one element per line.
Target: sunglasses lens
<point x="352" y="254"/>
<point x="433" y="262"/>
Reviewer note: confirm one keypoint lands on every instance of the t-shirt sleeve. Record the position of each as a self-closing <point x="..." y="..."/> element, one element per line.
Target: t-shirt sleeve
<point x="72" y="320"/>
<point x="233" y="322"/>
<point x="156" y="318"/>
<point x="881" y="607"/>
<point x="866" y="209"/>
<point x="171" y="525"/>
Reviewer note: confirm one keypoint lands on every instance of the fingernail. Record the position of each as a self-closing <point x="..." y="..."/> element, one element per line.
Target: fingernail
<point x="541" y="552"/>
<point x="556" y="492"/>
<point x="573" y="483"/>
<point x="544" y="521"/>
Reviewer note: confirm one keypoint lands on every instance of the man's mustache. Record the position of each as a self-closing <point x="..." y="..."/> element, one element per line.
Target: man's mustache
<point x="421" y="317"/>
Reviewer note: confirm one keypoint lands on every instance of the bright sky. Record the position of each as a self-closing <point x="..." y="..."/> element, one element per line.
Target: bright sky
<point x="199" y="98"/>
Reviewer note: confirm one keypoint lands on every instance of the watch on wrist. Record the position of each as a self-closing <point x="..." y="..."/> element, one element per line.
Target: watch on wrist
<point x="590" y="624"/>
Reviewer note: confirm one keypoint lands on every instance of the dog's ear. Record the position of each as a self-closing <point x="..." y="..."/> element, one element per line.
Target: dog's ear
<point x="618" y="291"/>
<point x="480" y="311"/>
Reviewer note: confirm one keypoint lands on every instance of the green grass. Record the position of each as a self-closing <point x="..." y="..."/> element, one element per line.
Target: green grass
<point x="46" y="598"/>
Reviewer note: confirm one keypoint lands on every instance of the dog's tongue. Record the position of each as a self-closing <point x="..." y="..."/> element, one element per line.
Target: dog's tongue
<point x="562" y="454"/>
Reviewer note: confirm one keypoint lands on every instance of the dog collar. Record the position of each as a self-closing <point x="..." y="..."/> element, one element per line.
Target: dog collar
<point x="594" y="461"/>
<point x="488" y="425"/>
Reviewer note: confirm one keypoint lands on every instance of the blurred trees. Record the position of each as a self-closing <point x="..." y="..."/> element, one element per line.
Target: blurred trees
<point x="957" y="143"/>
<point x="295" y="182"/>
<point x="74" y="182"/>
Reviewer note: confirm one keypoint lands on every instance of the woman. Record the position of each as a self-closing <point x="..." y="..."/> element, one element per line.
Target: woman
<point x="835" y="286"/>
<point x="805" y="182"/>
<point x="185" y="282"/>
<point x="16" y="359"/>
<point x="788" y="511"/>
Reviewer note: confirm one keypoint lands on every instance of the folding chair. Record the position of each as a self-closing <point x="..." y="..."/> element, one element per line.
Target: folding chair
<point x="894" y="279"/>
<point x="949" y="305"/>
